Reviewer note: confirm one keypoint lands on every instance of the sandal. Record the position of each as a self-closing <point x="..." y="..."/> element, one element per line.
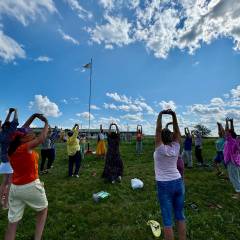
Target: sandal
<point x="155" y="226"/>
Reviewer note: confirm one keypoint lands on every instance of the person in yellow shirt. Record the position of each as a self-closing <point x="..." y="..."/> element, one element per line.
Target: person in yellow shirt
<point x="73" y="150"/>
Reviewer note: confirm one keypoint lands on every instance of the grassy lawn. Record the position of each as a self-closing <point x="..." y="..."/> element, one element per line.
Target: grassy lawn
<point x="74" y="215"/>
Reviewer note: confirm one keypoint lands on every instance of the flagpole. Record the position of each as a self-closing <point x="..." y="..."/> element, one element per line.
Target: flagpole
<point x="90" y="95"/>
<point x="89" y="106"/>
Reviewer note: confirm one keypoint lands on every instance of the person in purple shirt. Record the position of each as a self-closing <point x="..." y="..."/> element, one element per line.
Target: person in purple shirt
<point x="7" y="129"/>
<point x="170" y="185"/>
<point x="187" y="149"/>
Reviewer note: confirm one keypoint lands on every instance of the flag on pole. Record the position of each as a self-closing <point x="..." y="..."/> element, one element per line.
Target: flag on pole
<point x="88" y="65"/>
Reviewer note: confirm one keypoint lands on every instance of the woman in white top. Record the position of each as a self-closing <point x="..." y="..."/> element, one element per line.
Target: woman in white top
<point x="169" y="182"/>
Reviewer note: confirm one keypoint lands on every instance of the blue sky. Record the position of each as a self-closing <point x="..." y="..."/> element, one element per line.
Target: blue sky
<point x="147" y="55"/>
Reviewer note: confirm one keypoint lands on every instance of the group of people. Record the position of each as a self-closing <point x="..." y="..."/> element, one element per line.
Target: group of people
<point x="19" y="165"/>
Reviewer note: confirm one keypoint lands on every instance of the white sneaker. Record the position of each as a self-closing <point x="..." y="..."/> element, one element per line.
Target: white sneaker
<point x="77" y="176"/>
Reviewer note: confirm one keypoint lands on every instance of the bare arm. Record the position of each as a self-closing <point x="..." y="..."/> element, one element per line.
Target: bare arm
<point x="158" y="138"/>
<point x="109" y="130"/>
<point x="176" y="130"/>
<point x="30" y="120"/>
<point x="231" y="124"/>
<point x="227" y="126"/>
<point x="41" y="138"/>
<point x="221" y="129"/>
<point x="11" y="110"/>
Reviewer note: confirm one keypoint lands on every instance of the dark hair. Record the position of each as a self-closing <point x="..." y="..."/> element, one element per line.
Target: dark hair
<point x="14" y="144"/>
<point x="70" y="133"/>
<point x="167" y="136"/>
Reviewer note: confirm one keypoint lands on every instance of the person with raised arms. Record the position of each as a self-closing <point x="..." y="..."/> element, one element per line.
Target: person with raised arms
<point x="187" y="149"/>
<point x="101" y="147"/>
<point x="113" y="170"/>
<point x="169" y="182"/>
<point x="73" y="150"/>
<point x="232" y="156"/>
<point x="219" y="158"/>
<point x="197" y="136"/>
<point x="8" y="128"/>
<point x="26" y="188"/>
<point x="139" y="135"/>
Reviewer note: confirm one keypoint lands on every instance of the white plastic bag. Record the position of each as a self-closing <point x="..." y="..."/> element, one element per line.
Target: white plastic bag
<point x="136" y="183"/>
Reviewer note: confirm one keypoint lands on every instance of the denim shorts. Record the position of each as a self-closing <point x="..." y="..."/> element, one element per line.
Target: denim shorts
<point x="171" y="198"/>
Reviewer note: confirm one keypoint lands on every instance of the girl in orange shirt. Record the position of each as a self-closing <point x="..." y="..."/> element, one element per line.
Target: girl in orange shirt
<point x="26" y="188"/>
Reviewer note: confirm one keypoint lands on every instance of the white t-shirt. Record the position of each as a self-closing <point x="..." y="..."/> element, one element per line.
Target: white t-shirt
<point x="101" y="136"/>
<point x="165" y="162"/>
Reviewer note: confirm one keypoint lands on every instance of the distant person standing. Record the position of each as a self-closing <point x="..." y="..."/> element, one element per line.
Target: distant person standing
<point x="73" y="149"/>
<point x="82" y="145"/>
<point x="169" y="181"/>
<point x="46" y="154"/>
<point x="101" y="147"/>
<point x="55" y="134"/>
<point x="7" y="129"/>
<point x="113" y="169"/>
<point x="219" y="148"/>
<point x="139" y="136"/>
<point x="187" y="149"/>
<point x="198" y="147"/>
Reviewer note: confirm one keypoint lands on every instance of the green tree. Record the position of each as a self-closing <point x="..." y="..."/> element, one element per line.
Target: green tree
<point x="203" y="130"/>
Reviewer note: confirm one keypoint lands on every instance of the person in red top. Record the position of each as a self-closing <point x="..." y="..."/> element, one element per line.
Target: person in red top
<point x="26" y="188"/>
<point x="139" y="139"/>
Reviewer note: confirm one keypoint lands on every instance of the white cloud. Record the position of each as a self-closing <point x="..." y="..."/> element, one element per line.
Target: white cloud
<point x="117" y="4"/>
<point x="10" y="49"/>
<point x="116" y="31"/>
<point x="236" y="92"/>
<point x="195" y="64"/>
<point x="85" y="115"/>
<point x="43" y="59"/>
<point x="165" y="25"/>
<point x="119" y="98"/>
<point x="43" y="105"/>
<point x="67" y="37"/>
<point x="133" y="117"/>
<point x="168" y="105"/>
<point x="82" y="13"/>
<point x="26" y="10"/>
<point x="64" y="101"/>
<point x="217" y="102"/>
<point x="110" y="106"/>
<point x="94" y="107"/>
<point x="23" y="11"/>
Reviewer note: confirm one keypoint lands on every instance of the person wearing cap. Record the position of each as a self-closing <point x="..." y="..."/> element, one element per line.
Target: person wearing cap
<point x="73" y="150"/>
<point x="8" y="128"/>
<point x="26" y="188"/>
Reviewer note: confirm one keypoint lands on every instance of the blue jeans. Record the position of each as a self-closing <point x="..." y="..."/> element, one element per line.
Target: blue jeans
<point x="139" y="147"/>
<point x="171" y="197"/>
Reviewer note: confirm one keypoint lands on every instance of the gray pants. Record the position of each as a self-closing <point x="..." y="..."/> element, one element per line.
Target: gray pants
<point x="187" y="158"/>
<point x="139" y="147"/>
<point x="234" y="175"/>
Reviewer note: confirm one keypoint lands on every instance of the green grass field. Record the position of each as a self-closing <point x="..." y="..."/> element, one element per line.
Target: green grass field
<point x="74" y="215"/>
